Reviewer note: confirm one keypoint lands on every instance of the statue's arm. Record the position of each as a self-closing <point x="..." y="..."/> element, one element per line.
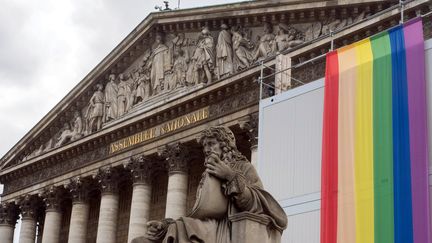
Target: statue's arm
<point x="239" y="188"/>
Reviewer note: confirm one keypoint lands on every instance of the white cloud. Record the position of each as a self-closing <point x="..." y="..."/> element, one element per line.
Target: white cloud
<point x="48" y="46"/>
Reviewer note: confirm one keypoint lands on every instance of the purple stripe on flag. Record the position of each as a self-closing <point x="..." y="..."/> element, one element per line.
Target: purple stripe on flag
<point x="415" y="60"/>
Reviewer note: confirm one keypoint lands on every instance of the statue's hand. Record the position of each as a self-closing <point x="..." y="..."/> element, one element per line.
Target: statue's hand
<point x="218" y="168"/>
<point x="154" y="227"/>
<point x="156" y="230"/>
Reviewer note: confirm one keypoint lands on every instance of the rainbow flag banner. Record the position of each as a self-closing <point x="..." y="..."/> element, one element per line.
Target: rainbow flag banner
<point x="375" y="145"/>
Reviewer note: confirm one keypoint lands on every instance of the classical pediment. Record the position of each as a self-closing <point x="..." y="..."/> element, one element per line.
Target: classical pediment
<point x="174" y="53"/>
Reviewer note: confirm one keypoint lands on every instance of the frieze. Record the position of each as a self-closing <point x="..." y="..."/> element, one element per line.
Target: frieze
<point x="154" y="132"/>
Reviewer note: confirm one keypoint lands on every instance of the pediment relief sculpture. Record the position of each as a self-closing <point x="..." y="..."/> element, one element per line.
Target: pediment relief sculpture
<point x="176" y="62"/>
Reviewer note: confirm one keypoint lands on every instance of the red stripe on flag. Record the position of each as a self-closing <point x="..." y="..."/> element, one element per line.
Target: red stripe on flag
<point x="329" y="173"/>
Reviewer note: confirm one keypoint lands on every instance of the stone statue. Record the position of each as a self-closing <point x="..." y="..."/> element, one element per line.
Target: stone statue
<point x="331" y="24"/>
<point x="313" y="31"/>
<point x="224" y="53"/>
<point x="111" y="90"/>
<point x="266" y="42"/>
<point x="160" y="64"/>
<point x="286" y="38"/>
<point x="95" y="110"/>
<point x="77" y="126"/>
<point x="142" y="84"/>
<point x="180" y="67"/>
<point x="242" y="47"/>
<point x="202" y="61"/>
<point x="65" y="135"/>
<point x="124" y="95"/>
<point x="239" y="183"/>
<point x="180" y="42"/>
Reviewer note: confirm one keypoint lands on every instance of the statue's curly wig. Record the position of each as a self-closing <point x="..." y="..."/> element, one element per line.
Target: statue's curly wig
<point x="227" y="142"/>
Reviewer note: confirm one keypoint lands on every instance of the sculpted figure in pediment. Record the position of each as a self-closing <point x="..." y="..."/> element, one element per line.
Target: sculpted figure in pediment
<point x="160" y="62"/>
<point x="124" y="95"/>
<point x="180" y="42"/>
<point x="224" y="53"/>
<point x="286" y="38"/>
<point x="203" y="60"/>
<point x="65" y="135"/>
<point x="313" y="31"/>
<point x="242" y="47"/>
<point x="111" y="89"/>
<point x="142" y="82"/>
<point x="77" y="126"/>
<point x="95" y="110"/>
<point x="331" y="24"/>
<point x="179" y="70"/>
<point x="265" y="44"/>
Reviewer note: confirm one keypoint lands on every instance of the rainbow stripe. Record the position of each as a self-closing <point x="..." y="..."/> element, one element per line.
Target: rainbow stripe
<point x="375" y="145"/>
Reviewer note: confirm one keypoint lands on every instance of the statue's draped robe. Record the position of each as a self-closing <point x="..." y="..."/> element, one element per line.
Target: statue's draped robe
<point x="224" y="54"/>
<point x="110" y="101"/>
<point x="203" y="56"/>
<point x="160" y="63"/>
<point x="246" y="193"/>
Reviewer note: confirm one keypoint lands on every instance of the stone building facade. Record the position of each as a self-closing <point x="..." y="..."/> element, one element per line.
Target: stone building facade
<point x="120" y="149"/>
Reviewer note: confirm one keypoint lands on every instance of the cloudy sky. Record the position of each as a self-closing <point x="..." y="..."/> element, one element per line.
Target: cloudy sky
<point x="48" y="46"/>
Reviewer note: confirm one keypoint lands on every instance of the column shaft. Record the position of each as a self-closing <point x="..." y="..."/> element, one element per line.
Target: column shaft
<point x="176" y="195"/>
<point x="6" y="233"/>
<point x="51" y="230"/>
<point x="107" y="226"/>
<point x="28" y="231"/>
<point x="140" y="210"/>
<point x="78" y="222"/>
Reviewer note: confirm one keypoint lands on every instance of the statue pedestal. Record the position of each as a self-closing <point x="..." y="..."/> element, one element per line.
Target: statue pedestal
<point x="249" y="228"/>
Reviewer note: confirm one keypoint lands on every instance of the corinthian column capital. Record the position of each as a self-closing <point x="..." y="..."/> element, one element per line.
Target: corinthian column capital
<point x="79" y="188"/>
<point x="52" y="197"/>
<point x="9" y="213"/>
<point x="108" y="180"/>
<point x="28" y="205"/>
<point x="176" y="156"/>
<point x="140" y="169"/>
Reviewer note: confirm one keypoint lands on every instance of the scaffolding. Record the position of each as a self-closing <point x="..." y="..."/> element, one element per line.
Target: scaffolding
<point x="401" y="6"/>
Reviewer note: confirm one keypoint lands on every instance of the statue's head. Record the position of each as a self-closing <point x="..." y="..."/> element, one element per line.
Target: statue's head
<point x="221" y="141"/>
<point x="224" y="26"/>
<point x="99" y="87"/>
<point x="205" y="30"/>
<point x="158" y="38"/>
<point x="111" y="77"/>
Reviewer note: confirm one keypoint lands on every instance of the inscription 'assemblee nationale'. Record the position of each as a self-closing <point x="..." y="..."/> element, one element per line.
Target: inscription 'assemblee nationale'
<point x="159" y="130"/>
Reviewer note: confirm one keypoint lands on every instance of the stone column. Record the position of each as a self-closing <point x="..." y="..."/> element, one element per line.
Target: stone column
<point x="8" y="216"/>
<point x="176" y="157"/>
<point x="28" y="219"/>
<point x="53" y="215"/>
<point x="109" y="206"/>
<point x="80" y="210"/>
<point x="250" y="125"/>
<point x="141" y="196"/>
